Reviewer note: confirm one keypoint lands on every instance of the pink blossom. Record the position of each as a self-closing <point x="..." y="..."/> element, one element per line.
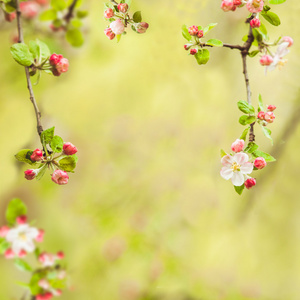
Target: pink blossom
<point x="269" y="117"/>
<point x="4" y="230"/>
<point x="249" y="183"/>
<point x="193" y="30"/>
<point x="200" y="34"/>
<point x="117" y="26"/>
<point x="10" y="17"/>
<point x="260" y="163"/>
<point x="142" y="27"/>
<point x="255" y="6"/>
<point x="30" y="174"/>
<point x="271" y="107"/>
<point x="278" y="59"/>
<point x="37" y="155"/>
<point x="237" y="2"/>
<point x="235" y="167"/>
<point x="227" y="5"/>
<point x="108" y="32"/>
<point x="123" y="7"/>
<point x="46" y="296"/>
<point x="109" y="13"/>
<point x="47" y="259"/>
<point x="29" y="9"/>
<point x="55" y="59"/>
<point x="255" y="23"/>
<point x="21" y="219"/>
<point x="287" y="39"/>
<point x="9" y="254"/>
<point x="266" y="60"/>
<point x="60" y="177"/>
<point x="193" y="51"/>
<point x="40" y="236"/>
<point x="261" y="115"/>
<point x="22" y="253"/>
<point x="69" y="149"/>
<point x="42" y="2"/>
<point x="43" y="283"/>
<point x="238" y="145"/>
<point x="63" y="65"/>
<point x="60" y="255"/>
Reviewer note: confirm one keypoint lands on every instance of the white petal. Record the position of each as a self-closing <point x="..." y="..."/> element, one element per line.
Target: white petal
<point x="29" y="246"/>
<point x="226" y="173"/>
<point x="247" y="168"/>
<point x="32" y="233"/>
<point x="241" y="158"/>
<point x="17" y="247"/>
<point x="237" y="179"/>
<point x="227" y="160"/>
<point x="12" y="235"/>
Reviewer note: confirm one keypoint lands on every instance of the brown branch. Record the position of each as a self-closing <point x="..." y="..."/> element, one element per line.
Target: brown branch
<point x="70" y="12"/>
<point x="29" y="85"/>
<point x="114" y="2"/>
<point x="238" y="47"/>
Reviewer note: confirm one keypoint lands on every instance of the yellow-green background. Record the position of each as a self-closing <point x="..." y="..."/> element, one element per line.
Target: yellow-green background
<point x="147" y="214"/>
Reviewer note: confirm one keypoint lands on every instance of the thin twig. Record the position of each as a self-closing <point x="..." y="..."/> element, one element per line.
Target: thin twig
<point x="29" y="85"/>
<point x="114" y="2"/>
<point x="69" y="14"/>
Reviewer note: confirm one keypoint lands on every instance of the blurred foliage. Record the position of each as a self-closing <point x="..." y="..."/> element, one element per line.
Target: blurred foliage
<point x="147" y="215"/>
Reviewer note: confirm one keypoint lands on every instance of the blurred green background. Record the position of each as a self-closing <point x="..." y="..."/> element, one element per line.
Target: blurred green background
<point x="147" y="215"/>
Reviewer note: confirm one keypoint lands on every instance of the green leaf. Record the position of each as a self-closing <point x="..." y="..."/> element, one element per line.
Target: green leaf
<point x="223" y="153"/>
<point x="244" y="120"/>
<point x="276" y="1"/>
<point x="239" y="189"/>
<point x="209" y="27"/>
<point x="59" y="4"/>
<point x="260" y="103"/>
<point x="22" y="265"/>
<point x="82" y="14"/>
<point x="15" y="209"/>
<point x="244" y="134"/>
<point x="137" y="17"/>
<point x="39" y="50"/>
<point x="215" y="43"/>
<point x="267" y="132"/>
<point x="202" y="56"/>
<point x="21" y="54"/>
<point x="24" y="156"/>
<point x="4" y="245"/>
<point x="57" y="144"/>
<point x="41" y="172"/>
<point x="245" y="107"/>
<point x="266" y="156"/>
<point x="118" y="36"/>
<point x="257" y="35"/>
<point x="253" y="53"/>
<point x="185" y="33"/>
<point x="251" y="147"/>
<point x="68" y="164"/>
<point x="271" y="17"/>
<point x="48" y="15"/>
<point x="76" y="23"/>
<point x="74" y="37"/>
<point x="47" y="136"/>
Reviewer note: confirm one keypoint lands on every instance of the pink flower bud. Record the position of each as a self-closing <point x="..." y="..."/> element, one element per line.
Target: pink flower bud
<point x="4" y="230"/>
<point x="187" y="47"/>
<point x="261" y="115"/>
<point x="22" y="253"/>
<point x="249" y="183"/>
<point x="40" y="236"/>
<point x="62" y="66"/>
<point x="109" y="13"/>
<point x="9" y="254"/>
<point x="260" y="163"/>
<point x="10" y="17"/>
<point x="142" y="27"/>
<point x="55" y="59"/>
<point x="255" y="23"/>
<point x="237" y="2"/>
<point x="193" y="51"/>
<point x="54" y="28"/>
<point x="266" y="60"/>
<point x="42" y="2"/>
<point x="47" y="259"/>
<point x="193" y="30"/>
<point x="117" y="26"/>
<point x="69" y="148"/>
<point x="29" y="9"/>
<point x="227" y="5"/>
<point x="48" y="296"/>
<point x="60" y="177"/>
<point x="200" y="34"/>
<point x="55" y="72"/>
<point x="271" y="107"/>
<point x="123" y="7"/>
<point x="30" y="174"/>
<point x="108" y="32"/>
<point x="287" y="39"/>
<point x="60" y="255"/>
<point x="44" y="284"/>
<point x="36" y="155"/>
<point x="238" y="145"/>
<point x="269" y="117"/>
<point x="57" y="292"/>
<point x="21" y="219"/>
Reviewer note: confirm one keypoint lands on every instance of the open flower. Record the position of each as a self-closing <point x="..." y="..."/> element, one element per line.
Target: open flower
<point x="235" y="167"/>
<point x="278" y="59"/>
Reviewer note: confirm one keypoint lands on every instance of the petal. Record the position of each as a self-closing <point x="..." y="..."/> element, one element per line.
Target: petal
<point x="12" y="235"/>
<point x="247" y="168"/>
<point x="32" y="233"/>
<point x="227" y="160"/>
<point x="237" y="179"/>
<point x="29" y="246"/>
<point x="226" y="173"/>
<point x="16" y="247"/>
<point x="241" y="158"/>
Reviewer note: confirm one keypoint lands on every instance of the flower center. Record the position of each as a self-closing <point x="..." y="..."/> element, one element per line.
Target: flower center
<point x="235" y="167"/>
<point x="22" y="236"/>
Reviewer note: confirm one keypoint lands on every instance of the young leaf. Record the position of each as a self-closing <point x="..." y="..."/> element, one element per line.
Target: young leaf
<point x="253" y="53"/>
<point x="260" y="103"/>
<point x="82" y="14"/>
<point x="186" y="33"/>
<point x="24" y="156"/>
<point x="21" y="54"/>
<point x="74" y="37"/>
<point x="223" y="153"/>
<point x="48" y="15"/>
<point x="44" y="50"/>
<point x="251" y="147"/>
<point x="14" y="209"/>
<point x="57" y="144"/>
<point x="137" y="17"/>
<point x="4" y="245"/>
<point x="276" y="1"/>
<point x="47" y="136"/>
<point x="267" y="132"/>
<point x="202" y="56"/>
<point x="68" y="164"/>
<point x="244" y="134"/>
<point x="271" y="17"/>
<point x="41" y="172"/>
<point x="266" y="156"/>
<point x="244" y="120"/>
<point x="215" y="43"/>
<point x="58" y="4"/>
<point x="245" y="107"/>
<point x="209" y="27"/>
<point x="22" y="265"/>
<point x="239" y="189"/>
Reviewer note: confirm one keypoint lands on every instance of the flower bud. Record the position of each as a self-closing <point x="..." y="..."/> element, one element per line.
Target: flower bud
<point x="237" y="2"/>
<point x="260" y="163"/>
<point x="55" y="28"/>
<point x="62" y="66"/>
<point x="186" y="47"/>
<point x="142" y="27"/>
<point x="21" y="219"/>
<point x="271" y="107"/>
<point x="10" y="17"/>
<point x="4" y="231"/>
<point x="193" y="51"/>
<point x="42" y="2"/>
<point x="36" y="155"/>
<point x="269" y="117"/>
<point x="9" y="254"/>
<point x="255" y="23"/>
<point x="57" y="292"/>
<point x="123" y="7"/>
<point x="200" y="34"/>
<point x="40" y="236"/>
<point x="69" y="149"/>
<point x="287" y="39"/>
<point x="227" y="5"/>
<point x="22" y="253"/>
<point x="44" y="284"/>
<point x="238" y="145"/>
<point x="266" y="60"/>
<point x="117" y="26"/>
<point x="55" y="72"/>
<point x="193" y="30"/>
<point x="60" y="177"/>
<point x="109" y="13"/>
<point x="261" y="115"/>
<point x="60" y="255"/>
<point x="55" y="59"/>
<point x="29" y="9"/>
<point x="30" y="174"/>
<point x="249" y="183"/>
<point x="108" y="32"/>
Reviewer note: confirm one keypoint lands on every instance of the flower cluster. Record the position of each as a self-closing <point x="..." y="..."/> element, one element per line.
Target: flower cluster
<point x="61" y="159"/>
<point x="59" y="63"/>
<point x="253" y="6"/>
<point x="119" y="18"/>
<point x="264" y="118"/>
<point x="17" y="239"/>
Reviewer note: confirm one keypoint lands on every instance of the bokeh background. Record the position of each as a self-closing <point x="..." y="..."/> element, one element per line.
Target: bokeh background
<point x="147" y="215"/>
